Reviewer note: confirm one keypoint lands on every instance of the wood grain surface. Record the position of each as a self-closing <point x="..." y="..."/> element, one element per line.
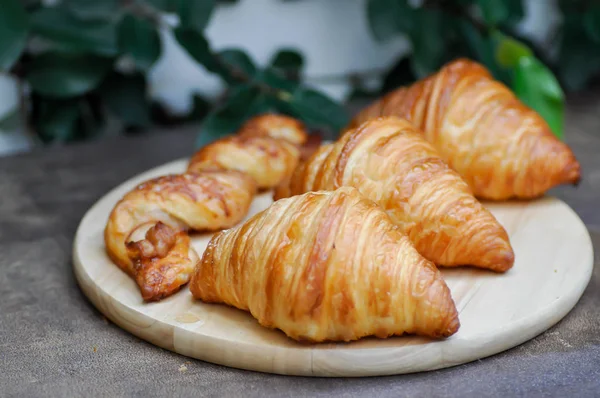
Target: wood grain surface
<point x="554" y="258"/>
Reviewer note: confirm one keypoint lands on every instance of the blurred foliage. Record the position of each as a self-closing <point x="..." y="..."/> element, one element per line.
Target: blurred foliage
<point x="85" y="62"/>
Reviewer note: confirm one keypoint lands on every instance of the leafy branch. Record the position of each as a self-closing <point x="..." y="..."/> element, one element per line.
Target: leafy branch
<point x="481" y="30"/>
<point x="87" y="62"/>
<point x="83" y="65"/>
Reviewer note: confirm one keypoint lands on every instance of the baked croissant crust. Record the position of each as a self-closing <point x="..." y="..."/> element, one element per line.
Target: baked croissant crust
<point x="267" y="147"/>
<point x="389" y="162"/>
<point x="147" y="231"/>
<point x="326" y="266"/>
<point x="502" y="148"/>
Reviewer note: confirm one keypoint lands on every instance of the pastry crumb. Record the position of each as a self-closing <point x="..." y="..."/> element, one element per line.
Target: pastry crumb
<point x="95" y="348"/>
<point x="182" y="368"/>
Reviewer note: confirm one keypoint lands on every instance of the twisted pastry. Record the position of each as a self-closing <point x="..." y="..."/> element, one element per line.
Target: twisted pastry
<point x="147" y="231"/>
<point x="389" y="162"/>
<point x="276" y="126"/>
<point x="266" y="147"/>
<point x="326" y="266"/>
<point x="502" y="148"/>
<point x="267" y="160"/>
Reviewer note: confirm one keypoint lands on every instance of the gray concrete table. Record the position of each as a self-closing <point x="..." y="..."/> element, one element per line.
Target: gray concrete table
<point x="53" y="342"/>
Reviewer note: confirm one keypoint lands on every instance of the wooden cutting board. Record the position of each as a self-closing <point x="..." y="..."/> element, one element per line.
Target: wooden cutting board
<point x="554" y="259"/>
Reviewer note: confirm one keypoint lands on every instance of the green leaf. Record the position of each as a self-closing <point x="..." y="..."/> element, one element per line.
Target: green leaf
<point x="537" y="87"/>
<point x="239" y="63"/>
<point x="56" y="120"/>
<point x="316" y="108"/>
<point x="14" y="26"/>
<point x="66" y="75"/>
<point x="494" y="11"/>
<point x="389" y="17"/>
<point x="73" y="35"/>
<point x="126" y="96"/>
<point x="428" y="44"/>
<point x="516" y="11"/>
<point x="399" y="75"/>
<point x="579" y="58"/>
<point x="289" y="61"/>
<point x="509" y="51"/>
<point x="168" y="6"/>
<point x="140" y="40"/>
<point x="591" y="22"/>
<point x="483" y="49"/>
<point x="89" y="10"/>
<point x="227" y="118"/>
<point x="195" y="14"/>
<point x="198" y="48"/>
<point x="11" y="120"/>
<point x="275" y="79"/>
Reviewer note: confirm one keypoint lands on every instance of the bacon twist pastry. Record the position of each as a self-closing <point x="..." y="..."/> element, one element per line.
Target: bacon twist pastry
<point x="326" y="266"/>
<point x="266" y="147"/>
<point x="147" y="231"/>
<point x="501" y="147"/>
<point x="389" y="162"/>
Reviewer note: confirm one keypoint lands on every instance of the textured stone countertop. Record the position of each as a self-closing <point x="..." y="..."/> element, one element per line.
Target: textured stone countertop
<point x="53" y="342"/>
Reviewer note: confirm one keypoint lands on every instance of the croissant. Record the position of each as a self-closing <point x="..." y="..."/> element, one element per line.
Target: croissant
<point x="266" y="147"/>
<point x="147" y="231"/>
<point x="326" y="266"/>
<point x="389" y="162"/>
<point x="502" y="148"/>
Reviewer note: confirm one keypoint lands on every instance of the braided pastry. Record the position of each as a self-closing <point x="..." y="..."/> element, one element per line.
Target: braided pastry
<point x="389" y="162"/>
<point x="502" y="148"/>
<point x="266" y="148"/>
<point x="147" y="232"/>
<point x="326" y="266"/>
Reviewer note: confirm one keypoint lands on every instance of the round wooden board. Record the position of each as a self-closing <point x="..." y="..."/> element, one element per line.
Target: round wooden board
<point x="554" y="259"/>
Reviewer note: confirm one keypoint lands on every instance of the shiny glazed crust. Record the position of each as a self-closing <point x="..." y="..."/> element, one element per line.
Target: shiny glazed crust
<point x="267" y="160"/>
<point x="267" y="147"/>
<point x="146" y="233"/>
<point x="502" y="148"/>
<point x="389" y="162"/>
<point x="326" y="266"/>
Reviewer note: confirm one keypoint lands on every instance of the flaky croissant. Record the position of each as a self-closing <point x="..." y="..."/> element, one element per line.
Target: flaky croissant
<point x="326" y="266"/>
<point x="389" y="162"/>
<point x="266" y="147"/>
<point x="147" y="231"/>
<point x="501" y="147"/>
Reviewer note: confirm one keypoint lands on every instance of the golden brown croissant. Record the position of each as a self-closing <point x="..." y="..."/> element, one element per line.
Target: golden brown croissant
<point x="267" y="147"/>
<point x="389" y="162"/>
<point x="326" y="266"/>
<point x="146" y="233"/>
<point x="502" y="148"/>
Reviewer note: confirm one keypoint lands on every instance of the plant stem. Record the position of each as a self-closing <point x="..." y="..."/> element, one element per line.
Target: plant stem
<point x="143" y="10"/>
<point x="241" y="76"/>
<point x="24" y="115"/>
